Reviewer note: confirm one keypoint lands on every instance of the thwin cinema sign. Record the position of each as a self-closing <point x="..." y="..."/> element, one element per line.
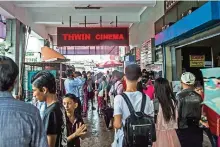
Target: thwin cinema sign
<point x="102" y="36"/>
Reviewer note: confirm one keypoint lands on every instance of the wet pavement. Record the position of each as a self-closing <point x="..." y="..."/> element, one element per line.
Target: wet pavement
<point x="97" y="133"/>
<point x="99" y="136"/>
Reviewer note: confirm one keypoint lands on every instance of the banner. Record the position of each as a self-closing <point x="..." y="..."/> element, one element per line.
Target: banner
<point x="97" y="36"/>
<point x="211" y="77"/>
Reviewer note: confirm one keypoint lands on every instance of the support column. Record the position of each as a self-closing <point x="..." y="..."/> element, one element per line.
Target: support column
<point x="16" y="38"/>
<point x="168" y="64"/>
<point x="174" y="68"/>
<point x="178" y="63"/>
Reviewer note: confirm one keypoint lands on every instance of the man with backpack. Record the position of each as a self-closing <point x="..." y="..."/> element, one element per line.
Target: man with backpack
<point x="133" y="114"/>
<point x="189" y="113"/>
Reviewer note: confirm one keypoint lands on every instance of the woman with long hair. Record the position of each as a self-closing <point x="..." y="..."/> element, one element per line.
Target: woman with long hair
<point x="166" y="118"/>
<point x="102" y="93"/>
<point x="85" y="96"/>
<point x="75" y="125"/>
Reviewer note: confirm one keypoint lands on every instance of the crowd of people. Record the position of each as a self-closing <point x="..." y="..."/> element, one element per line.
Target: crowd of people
<point x="142" y="111"/>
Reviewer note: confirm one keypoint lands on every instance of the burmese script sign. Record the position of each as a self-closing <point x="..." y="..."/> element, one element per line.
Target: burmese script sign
<point x="97" y="36"/>
<point x="197" y="60"/>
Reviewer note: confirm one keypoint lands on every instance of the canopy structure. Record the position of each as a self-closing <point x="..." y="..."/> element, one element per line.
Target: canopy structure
<point x="108" y="64"/>
<point x="49" y="54"/>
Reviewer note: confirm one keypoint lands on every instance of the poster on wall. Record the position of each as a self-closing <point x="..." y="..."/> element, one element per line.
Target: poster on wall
<point x="197" y="60"/>
<point x="211" y="77"/>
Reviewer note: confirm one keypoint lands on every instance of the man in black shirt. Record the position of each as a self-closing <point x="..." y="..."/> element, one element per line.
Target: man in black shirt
<point x="44" y="89"/>
<point x="189" y="113"/>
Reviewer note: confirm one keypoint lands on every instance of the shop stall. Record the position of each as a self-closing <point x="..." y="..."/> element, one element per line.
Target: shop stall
<point x="57" y="68"/>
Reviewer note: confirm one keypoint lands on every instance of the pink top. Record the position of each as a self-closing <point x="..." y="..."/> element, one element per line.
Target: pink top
<point x="149" y="91"/>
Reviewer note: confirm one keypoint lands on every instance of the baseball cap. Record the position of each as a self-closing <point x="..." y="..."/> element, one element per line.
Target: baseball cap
<point x="188" y="78"/>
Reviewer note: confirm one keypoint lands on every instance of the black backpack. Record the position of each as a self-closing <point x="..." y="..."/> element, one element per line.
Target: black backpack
<point x="139" y="128"/>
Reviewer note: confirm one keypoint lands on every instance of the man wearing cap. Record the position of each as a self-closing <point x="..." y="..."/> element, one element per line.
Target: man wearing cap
<point x="189" y="113"/>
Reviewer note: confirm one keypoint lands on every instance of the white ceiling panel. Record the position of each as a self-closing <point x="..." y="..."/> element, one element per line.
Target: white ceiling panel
<point x="54" y="14"/>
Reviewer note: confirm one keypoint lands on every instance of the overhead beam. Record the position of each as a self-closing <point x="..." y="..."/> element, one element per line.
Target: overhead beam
<point x="68" y="3"/>
<point x="53" y="19"/>
<point x="24" y="16"/>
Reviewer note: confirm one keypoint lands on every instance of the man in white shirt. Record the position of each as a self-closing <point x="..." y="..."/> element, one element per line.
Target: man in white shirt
<point x="121" y="111"/>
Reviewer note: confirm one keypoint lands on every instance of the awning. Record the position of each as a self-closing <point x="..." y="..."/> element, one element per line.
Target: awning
<point x="200" y="20"/>
<point x="49" y="54"/>
<point x="108" y="64"/>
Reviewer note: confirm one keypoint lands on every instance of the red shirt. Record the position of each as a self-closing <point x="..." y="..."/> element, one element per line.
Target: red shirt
<point x="149" y="91"/>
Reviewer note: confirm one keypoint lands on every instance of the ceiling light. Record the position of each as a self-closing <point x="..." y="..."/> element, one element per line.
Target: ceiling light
<point x="89" y="7"/>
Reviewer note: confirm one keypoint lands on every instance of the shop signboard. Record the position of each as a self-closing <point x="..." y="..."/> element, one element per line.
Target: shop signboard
<point x="197" y="60"/>
<point x="130" y="58"/>
<point x="32" y="57"/>
<point x="147" y="52"/>
<point x="93" y="36"/>
<point x="211" y="77"/>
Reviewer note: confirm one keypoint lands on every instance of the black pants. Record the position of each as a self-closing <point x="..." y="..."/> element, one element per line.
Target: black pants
<point x="190" y="137"/>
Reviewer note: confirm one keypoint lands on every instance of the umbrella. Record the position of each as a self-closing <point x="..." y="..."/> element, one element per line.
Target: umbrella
<point x="211" y="77"/>
<point x="111" y="63"/>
